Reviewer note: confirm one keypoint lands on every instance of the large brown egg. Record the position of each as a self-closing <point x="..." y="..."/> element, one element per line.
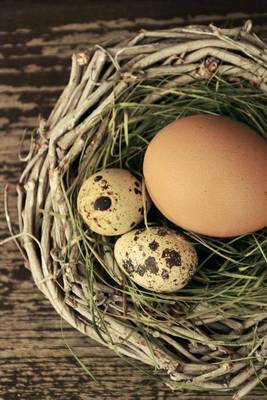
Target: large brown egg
<point x="208" y="174"/>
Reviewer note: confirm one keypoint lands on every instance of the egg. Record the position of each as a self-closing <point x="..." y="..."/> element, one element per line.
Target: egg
<point x="157" y="258"/>
<point x="208" y="174"/>
<point x="111" y="202"/>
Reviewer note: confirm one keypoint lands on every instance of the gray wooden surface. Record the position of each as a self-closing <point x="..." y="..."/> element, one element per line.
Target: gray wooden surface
<point x="35" y="363"/>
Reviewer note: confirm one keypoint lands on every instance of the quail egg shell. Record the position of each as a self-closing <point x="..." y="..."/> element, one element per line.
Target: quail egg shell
<point x="157" y="258"/>
<point x="111" y="202"/>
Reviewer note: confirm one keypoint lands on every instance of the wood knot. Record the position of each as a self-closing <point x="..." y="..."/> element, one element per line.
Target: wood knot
<point x="208" y="67"/>
<point x="211" y="64"/>
<point x="82" y="58"/>
<point x="129" y="77"/>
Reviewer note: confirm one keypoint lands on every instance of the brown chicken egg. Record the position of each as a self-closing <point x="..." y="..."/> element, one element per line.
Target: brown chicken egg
<point x="208" y="174"/>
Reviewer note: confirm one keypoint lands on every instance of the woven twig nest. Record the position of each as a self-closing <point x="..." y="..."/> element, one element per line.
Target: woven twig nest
<point x="185" y="352"/>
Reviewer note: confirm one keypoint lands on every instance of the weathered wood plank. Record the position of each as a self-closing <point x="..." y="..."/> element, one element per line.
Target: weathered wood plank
<point x="36" y="42"/>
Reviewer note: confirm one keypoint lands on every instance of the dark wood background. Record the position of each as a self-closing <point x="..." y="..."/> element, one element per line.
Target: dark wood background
<point x="36" y="42"/>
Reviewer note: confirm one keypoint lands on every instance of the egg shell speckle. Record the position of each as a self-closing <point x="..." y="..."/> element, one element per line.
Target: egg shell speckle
<point x="158" y="259"/>
<point x="111" y="202"/>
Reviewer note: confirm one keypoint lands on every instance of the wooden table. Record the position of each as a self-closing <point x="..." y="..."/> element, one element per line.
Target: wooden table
<point x="36" y="41"/>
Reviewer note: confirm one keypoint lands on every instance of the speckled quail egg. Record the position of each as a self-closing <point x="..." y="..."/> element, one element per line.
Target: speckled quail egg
<point x="157" y="258"/>
<point x="111" y="202"/>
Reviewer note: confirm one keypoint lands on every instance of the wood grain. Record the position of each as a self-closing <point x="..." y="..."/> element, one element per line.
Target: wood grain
<point x="35" y="362"/>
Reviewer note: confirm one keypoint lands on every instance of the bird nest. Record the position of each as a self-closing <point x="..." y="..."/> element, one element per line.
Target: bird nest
<point x="211" y="334"/>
